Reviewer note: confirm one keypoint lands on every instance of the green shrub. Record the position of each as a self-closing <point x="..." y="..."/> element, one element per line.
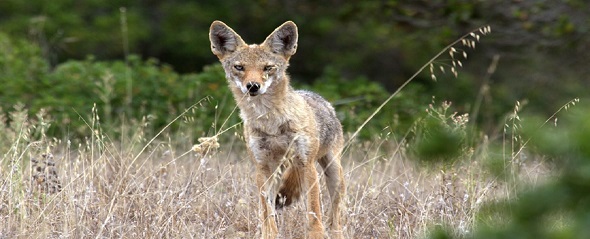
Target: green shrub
<point x="120" y="90"/>
<point x="440" y="134"/>
<point x="136" y="90"/>
<point x="356" y="99"/>
<point x="556" y="207"/>
<point x="22" y="69"/>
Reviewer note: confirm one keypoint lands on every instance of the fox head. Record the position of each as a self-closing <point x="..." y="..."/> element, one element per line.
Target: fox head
<point x="254" y="69"/>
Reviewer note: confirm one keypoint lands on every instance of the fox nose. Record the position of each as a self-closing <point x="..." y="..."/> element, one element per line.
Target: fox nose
<point x="253" y="87"/>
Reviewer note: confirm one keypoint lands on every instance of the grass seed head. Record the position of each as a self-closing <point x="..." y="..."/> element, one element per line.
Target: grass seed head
<point x="206" y="144"/>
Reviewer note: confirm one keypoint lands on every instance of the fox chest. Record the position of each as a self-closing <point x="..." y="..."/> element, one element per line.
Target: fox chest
<point x="272" y="147"/>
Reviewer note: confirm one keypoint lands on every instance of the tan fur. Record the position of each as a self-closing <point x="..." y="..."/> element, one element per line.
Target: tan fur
<point x="286" y="131"/>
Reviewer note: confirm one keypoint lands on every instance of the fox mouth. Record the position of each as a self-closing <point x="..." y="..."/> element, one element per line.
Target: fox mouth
<point x="253" y="88"/>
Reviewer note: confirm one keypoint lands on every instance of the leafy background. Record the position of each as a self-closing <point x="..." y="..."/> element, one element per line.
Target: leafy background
<point x="135" y="58"/>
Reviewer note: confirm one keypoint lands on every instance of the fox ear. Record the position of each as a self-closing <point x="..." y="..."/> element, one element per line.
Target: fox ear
<point x="223" y="39"/>
<point x="283" y="40"/>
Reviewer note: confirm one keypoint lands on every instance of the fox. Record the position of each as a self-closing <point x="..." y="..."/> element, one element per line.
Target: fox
<point x="286" y="130"/>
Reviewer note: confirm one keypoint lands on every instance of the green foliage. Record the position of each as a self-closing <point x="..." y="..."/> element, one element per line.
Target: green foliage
<point x="440" y="135"/>
<point x="135" y="89"/>
<point x="383" y="41"/>
<point x="437" y="142"/>
<point x="121" y="90"/>
<point x="22" y="70"/>
<point x="440" y="232"/>
<point x="558" y="208"/>
<point x="356" y="99"/>
<point x="78" y="28"/>
<point x="497" y="163"/>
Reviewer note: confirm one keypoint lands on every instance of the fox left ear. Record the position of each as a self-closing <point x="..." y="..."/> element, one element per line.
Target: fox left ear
<point x="223" y="39"/>
<point x="283" y="40"/>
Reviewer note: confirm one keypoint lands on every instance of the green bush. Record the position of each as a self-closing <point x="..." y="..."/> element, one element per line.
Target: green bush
<point x="120" y="90"/>
<point x="559" y="207"/>
<point x="22" y="70"/>
<point x="136" y="90"/>
<point x="356" y="99"/>
<point x="556" y="207"/>
<point x="440" y="135"/>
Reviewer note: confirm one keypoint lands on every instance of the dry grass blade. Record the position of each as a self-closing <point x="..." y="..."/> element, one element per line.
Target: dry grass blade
<point x="449" y="48"/>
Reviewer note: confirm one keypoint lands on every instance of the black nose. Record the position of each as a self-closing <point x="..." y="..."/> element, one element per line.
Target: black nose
<point x="253" y="87"/>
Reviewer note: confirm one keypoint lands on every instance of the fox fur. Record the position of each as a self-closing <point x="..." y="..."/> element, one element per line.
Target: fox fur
<point x="286" y="131"/>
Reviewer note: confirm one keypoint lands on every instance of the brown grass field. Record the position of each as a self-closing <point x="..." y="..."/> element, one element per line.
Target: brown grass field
<point x="138" y="187"/>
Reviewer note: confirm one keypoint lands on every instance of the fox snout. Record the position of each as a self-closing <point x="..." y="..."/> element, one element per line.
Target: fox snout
<point x="253" y="88"/>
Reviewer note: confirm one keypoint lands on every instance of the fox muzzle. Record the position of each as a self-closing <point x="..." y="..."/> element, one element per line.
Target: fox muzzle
<point x="253" y="88"/>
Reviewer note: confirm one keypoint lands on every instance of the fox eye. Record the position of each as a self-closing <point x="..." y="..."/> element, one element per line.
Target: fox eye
<point x="239" y="67"/>
<point x="268" y="68"/>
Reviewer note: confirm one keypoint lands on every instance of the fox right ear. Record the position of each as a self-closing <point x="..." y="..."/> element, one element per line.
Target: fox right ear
<point x="283" y="40"/>
<point x="223" y="39"/>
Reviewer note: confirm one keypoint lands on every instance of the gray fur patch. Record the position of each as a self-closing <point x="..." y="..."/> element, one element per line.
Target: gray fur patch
<point x="327" y="122"/>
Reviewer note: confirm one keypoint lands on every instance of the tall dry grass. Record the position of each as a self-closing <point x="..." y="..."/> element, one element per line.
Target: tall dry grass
<point x="159" y="188"/>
